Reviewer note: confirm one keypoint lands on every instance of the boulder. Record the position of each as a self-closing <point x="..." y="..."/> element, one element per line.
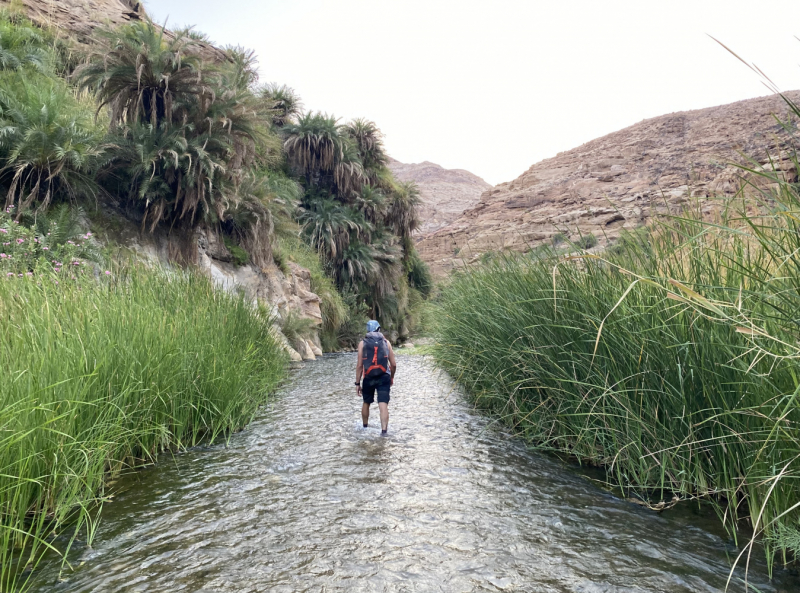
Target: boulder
<point x="316" y="350"/>
<point x="305" y="350"/>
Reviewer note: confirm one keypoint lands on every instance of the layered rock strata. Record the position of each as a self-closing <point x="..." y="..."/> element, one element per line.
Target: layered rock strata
<point x="619" y="181"/>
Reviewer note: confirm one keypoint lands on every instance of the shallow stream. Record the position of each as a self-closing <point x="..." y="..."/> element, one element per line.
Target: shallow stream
<point x="306" y="499"/>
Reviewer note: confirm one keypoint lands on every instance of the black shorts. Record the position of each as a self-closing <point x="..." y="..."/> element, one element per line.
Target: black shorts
<point x="380" y="384"/>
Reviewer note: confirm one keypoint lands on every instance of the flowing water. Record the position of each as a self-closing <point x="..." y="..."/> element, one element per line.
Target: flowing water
<point x="307" y="500"/>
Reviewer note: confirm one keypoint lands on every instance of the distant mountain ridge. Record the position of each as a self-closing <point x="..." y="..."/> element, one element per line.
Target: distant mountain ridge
<point x="445" y="193"/>
<point x="618" y="181"/>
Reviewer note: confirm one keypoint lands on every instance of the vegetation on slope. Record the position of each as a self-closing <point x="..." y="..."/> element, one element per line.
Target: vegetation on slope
<point x="670" y="360"/>
<point x="103" y="371"/>
<point x="143" y="123"/>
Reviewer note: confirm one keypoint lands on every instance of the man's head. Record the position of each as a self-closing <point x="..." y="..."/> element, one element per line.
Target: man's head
<point x="373" y="326"/>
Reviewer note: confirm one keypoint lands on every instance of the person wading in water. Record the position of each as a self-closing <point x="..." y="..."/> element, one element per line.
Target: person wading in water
<point x="377" y="365"/>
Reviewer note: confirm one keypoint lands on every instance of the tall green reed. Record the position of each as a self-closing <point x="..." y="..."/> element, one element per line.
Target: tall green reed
<point x="100" y="376"/>
<point x="671" y="361"/>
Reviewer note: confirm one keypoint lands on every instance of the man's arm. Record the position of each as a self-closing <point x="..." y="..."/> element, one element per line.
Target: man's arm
<point x="359" y="367"/>
<point x="392" y="361"/>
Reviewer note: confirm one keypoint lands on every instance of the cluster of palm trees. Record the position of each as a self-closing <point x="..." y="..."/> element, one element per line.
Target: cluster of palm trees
<point x="354" y="212"/>
<point x="147" y="120"/>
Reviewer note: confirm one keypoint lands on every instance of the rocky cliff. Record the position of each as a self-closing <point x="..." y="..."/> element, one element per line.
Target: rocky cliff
<point x="445" y="193"/>
<point x="78" y="18"/>
<point x="617" y="181"/>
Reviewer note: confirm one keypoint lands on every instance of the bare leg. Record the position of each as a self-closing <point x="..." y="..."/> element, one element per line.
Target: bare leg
<point x="384" y="416"/>
<point x="365" y="413"/>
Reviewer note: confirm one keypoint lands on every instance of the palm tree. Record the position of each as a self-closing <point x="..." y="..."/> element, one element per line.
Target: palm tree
<point x="47" y="140"/>
<point x="143" y="74"/>
<point x="282" y="101"/>
<point x="314" y="145"/>
<point x="328" y="225"/>
<point x="244" y="65"/>
<point x="370" y="201"/>
<point x="248" y="218"/>
<point x="348" y="174"/>
<point x="369" y="142"/>
<point x="356" y="265"/>
<point x="187" y="134"/>
<point x="23" y="45"/>
<point x="402" y="213"/>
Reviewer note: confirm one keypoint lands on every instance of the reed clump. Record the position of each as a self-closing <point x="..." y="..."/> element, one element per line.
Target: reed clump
<point x="102" y="374"/>
<point x="672" y="360"/>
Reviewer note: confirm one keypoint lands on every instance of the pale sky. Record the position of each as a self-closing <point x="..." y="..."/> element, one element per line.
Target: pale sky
<point x="495" y="86"/>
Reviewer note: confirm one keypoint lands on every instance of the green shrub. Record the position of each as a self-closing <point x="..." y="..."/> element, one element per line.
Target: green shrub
<point x="586" y="241"/>
<point x="53" y="243"/>
<point x="296" y="328"/>
<point x="239" y="256"/>
<point x="419" y="274"/>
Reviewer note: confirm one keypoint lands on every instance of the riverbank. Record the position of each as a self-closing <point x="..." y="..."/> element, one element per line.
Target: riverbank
<point x="102" y="374"/>
<point x="670" y="360"/>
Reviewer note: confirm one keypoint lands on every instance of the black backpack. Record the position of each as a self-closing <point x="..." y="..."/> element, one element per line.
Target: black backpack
<point x="376" y="355"/>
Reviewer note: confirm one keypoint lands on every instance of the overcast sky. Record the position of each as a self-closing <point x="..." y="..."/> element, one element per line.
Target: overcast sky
<point x="495" y="86"/>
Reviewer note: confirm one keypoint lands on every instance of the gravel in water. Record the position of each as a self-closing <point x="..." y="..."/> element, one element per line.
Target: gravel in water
<point x="307" y="500"/>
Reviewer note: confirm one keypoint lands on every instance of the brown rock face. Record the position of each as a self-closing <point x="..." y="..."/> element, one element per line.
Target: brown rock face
<point x="445" y="193"/>
<point x="80" y="17"/>
<point x="618" y="181"/>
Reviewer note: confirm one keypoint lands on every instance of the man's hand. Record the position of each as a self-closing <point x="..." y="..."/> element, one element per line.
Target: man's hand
<point x="358" y="390"/>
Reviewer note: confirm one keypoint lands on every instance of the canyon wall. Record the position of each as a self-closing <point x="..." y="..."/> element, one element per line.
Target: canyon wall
<point x="445" y="193"/>
<point x="618" y="181"/>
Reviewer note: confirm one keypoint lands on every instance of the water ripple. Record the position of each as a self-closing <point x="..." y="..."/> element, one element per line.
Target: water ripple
<point x="308" y="500"/>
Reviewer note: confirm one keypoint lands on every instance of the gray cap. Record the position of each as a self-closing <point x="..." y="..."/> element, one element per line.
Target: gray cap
<point x="373" y="326"/>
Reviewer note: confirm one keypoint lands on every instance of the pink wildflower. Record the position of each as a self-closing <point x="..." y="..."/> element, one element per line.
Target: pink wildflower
<point x="108" y="273"/>
<point x="20" y="241"/>
<point x="46" y="248"/>
<point x="10" y="274"/>
<point x="29" y="274"/>
<point x="3" y="255"/>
